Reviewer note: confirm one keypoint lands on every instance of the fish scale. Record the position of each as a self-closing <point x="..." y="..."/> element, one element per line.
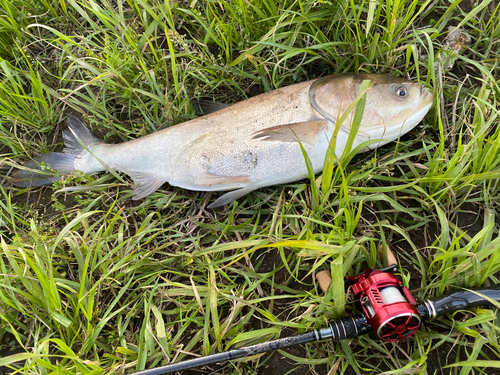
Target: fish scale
<point x="248" y="145"/>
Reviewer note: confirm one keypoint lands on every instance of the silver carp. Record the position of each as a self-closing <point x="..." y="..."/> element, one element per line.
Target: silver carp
<point x="245" y="146"/>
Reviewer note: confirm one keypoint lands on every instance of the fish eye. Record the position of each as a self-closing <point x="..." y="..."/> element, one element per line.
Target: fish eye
<point x="402" y="91"/>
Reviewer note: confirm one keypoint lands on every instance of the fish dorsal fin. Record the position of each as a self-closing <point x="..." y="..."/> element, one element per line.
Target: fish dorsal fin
<point x="231" y="196"/>
<point x="145" y="183"/>
<point x="205" y="107"/>
<point x="209" y="179"/>
<point x="305" y="132"/>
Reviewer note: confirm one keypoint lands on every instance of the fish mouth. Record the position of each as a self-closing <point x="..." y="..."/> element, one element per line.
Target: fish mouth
<point x="426" y="99"/>
<point x="425" y="95"/>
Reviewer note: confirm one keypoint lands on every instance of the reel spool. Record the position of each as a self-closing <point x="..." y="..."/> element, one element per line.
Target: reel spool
<point x="388" y="305"/>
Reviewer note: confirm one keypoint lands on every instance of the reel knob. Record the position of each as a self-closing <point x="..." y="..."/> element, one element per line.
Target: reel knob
<point x="388" y="305"/>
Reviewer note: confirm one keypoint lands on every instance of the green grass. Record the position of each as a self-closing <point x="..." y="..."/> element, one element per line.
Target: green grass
<point x="92" y="282"/>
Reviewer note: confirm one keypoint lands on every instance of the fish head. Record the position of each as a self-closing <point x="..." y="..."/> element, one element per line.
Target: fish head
<point x="393" y="105"/>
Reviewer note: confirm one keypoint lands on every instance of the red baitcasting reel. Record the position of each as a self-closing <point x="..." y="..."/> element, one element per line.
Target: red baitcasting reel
<point x="388" y="305"/>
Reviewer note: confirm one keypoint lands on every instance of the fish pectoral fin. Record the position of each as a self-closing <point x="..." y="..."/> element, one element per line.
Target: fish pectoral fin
<point x="231" y="196"/>
<point x="145" y="183"/>
<point x="304" y="132"/>
<point x="209" y="179"/>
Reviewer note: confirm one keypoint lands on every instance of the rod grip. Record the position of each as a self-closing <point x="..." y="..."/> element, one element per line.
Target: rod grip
<point x="435" y="307"/>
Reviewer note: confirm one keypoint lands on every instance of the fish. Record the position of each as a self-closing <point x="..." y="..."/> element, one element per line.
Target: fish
<point x="239" y="148"/>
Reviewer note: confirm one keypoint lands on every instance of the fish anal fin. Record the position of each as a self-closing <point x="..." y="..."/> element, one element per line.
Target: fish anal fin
<point x="209" y="179"/>
<point x="145" y="183"/>
<point x="231" y="196"/>
<point x="305" y="132"/>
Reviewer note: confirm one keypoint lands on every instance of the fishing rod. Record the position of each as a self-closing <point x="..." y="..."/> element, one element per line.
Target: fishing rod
<point x="388" y="309"/>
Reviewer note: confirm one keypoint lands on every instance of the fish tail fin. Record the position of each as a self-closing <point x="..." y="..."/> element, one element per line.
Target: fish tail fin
<point x="46" y="168"/>
<point x="77" y="136"/>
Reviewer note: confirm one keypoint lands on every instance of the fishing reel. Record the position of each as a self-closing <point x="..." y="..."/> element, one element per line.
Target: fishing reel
<point x="388" y="305"/>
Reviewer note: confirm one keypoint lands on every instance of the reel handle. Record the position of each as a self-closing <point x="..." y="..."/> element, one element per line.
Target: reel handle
<point x="388" y="255"/>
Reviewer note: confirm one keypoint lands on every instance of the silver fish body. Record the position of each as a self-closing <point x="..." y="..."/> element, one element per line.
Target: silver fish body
<point x="248" y="145"/>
